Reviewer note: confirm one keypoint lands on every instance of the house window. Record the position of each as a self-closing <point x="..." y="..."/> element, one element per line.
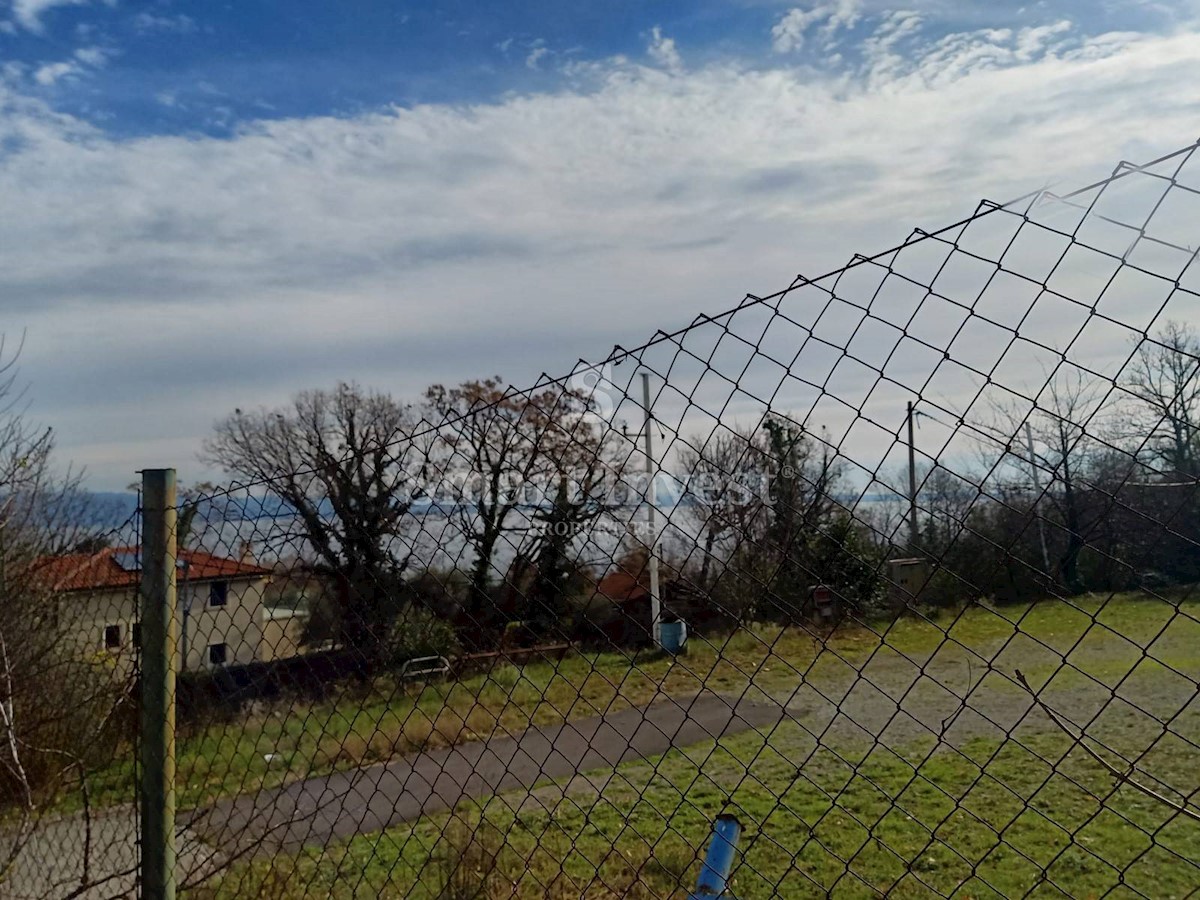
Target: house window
<point x="218" y="593"/>
<point x="112" y="637"/>
<point x="135" y="635"/>
<point x="218" y="654"/>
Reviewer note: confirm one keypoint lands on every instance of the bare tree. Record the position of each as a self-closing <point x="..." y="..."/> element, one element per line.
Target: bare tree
<point x="517" y="460"/>
<point x="764" y="503"/>
<point x="57" y="711"/>
<point x="946" y="499"/>
<point x="724" y="493"/>
<point x="350" y="464"/>
<point x="1164" y="377"/>
<point x="808" y="537"/>
<point x="1066" y="430"/>
<point x="587" y="465"/>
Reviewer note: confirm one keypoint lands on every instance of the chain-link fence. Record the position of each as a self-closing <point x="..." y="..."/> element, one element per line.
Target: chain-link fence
<point x="68" y="688"/>
<point x="894" y="566"/>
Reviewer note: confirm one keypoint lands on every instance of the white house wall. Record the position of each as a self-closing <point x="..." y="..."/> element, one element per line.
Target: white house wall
<point x="237" y="624"/>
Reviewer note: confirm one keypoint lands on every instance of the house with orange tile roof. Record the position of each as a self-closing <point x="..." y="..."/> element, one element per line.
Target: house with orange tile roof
<point x="220" y="605"/>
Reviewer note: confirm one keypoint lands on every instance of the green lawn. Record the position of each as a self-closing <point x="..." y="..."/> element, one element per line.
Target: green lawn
<point x="294" y="740"/>
<point x="848" y="815"/>
<point x="847" y="826"/>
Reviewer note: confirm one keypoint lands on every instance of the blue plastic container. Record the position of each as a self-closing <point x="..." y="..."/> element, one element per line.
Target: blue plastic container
<point x="673" y="636"/>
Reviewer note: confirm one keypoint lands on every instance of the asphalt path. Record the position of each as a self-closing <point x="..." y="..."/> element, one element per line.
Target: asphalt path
<point x="316" y="811"/>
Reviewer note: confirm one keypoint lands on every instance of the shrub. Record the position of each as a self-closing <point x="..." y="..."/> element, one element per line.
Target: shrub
<point x="373" y="742"/>
<point x="66" y="712"/>
<point x="418" y="632"/>
<point x="471" y="863"/>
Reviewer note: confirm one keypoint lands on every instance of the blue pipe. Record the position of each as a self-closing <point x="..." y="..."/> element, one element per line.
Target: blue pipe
<point x="714" y="877"/>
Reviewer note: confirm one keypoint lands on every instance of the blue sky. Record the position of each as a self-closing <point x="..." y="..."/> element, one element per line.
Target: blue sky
<point x="205" y="67"/>
<point x="178" y="67"/>
<point x="216" y="205"/>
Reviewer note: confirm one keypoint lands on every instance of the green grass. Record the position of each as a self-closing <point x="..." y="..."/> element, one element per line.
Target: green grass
<point x="296" y="740"/>
<point x="847" y="817"/>
<point x="983" y="823"/>
<point x="1030" y="814"/>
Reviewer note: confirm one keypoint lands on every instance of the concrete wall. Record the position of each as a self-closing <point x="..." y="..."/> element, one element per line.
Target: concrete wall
<point x="281" y="632"/>
<point x="237" y="624"/>
<point x="83" y="616"/>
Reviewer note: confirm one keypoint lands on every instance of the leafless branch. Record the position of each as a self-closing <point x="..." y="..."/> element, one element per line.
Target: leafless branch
<point x="1125" y="777"/>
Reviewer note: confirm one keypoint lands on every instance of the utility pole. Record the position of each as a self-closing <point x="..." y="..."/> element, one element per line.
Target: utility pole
<point x="651" y="527"/>
<point x="160" y="643"/>
<point x="913" y="532"/>
<point x="1037" y="492"/>
<point x="185" y="604"/>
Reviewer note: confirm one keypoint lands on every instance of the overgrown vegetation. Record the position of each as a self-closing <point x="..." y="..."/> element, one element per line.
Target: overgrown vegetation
<point x="1067" y="485"/>
<point x="983" y="817"/>
<point x="366" y="724"/>
<point x="61" y="711"/>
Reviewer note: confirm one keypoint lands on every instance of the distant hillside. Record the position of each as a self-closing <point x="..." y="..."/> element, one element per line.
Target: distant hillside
<point x="110" y="509"/>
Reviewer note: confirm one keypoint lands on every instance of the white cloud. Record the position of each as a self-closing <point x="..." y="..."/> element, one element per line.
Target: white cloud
<point x="788" y="34"/>
<point x="439" y="242"/>
<point x="879" y="48"/>
<point x="149" y="23"/>
<point x="1032" y="42"/>
<point x="51" y="73"/>
<point x="897" y="51"/>
<point x="29" y="12"/>
<point x="533" y="60"/>
<point x="84" y="58"/>
<point x="92" y="56"/>
<point x="663" y="51"/>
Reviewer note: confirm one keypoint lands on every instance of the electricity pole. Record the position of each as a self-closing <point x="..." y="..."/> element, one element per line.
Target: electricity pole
<point x="652" y="497"/>
<point x="1037" y="493"/>
<point x="913" y="532"/>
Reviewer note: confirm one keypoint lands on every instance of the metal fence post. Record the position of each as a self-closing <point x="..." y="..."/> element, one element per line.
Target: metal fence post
<point x="159" y="641"/>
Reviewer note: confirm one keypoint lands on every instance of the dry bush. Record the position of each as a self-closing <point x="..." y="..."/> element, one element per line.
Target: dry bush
<point x="417" y="732"/>
<point x="61" y="713"/>
<point x="474" y="861"/>
<point x="62" y="717"/>
<point x="471" y="863"/>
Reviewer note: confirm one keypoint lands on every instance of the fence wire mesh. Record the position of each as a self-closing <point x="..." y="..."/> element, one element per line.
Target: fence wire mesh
<point x="68" y="676"/>
<point x="895" y="565"/>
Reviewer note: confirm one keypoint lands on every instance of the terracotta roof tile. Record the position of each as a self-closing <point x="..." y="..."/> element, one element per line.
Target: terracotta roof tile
<point x="104" y="570"/>
<point x="621" y="586"/>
